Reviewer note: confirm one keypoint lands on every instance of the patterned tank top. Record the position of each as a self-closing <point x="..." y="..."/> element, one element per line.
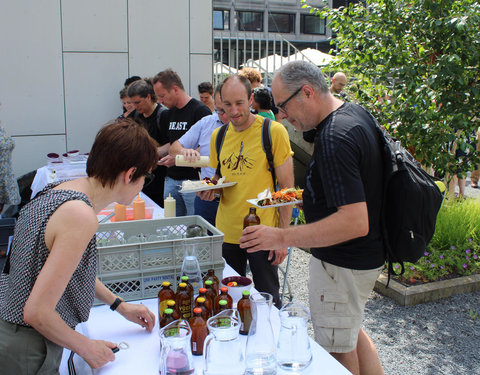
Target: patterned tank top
<point x="29" y="253"/>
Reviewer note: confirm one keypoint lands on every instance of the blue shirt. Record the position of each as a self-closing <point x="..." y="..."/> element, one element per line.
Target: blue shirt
<point x="198" y="136"/>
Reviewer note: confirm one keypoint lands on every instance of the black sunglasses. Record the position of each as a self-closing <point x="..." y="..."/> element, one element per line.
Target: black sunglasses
<point x="149" y="177"/>
<point x="282" y="106"/>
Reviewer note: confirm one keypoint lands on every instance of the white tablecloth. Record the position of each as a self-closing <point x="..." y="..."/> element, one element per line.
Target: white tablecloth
<point x="143" y="355"/>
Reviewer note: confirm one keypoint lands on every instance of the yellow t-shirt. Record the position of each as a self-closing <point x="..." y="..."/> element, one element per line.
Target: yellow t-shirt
<point x="243" y="160"/>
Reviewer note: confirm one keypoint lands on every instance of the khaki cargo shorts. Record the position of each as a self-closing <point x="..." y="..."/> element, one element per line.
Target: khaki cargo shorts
<point x="337" y="301"/>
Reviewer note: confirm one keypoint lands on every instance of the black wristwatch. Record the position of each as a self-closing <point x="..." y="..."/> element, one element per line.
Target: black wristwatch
<point x="115" y="304"/>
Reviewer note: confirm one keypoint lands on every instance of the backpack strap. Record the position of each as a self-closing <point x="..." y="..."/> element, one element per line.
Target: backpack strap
<point x="218" y="146"/>
<point x="267" y="148"/>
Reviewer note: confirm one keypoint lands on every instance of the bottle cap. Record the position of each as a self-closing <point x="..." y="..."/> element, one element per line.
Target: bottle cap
<point x="202" y="290"/>
<point x="222" y="302"/>
<point x="200" y="299"/>
<point x="182" y="285"/>
<point x="224" y="289"/>
<point x="184" y="278"/>
<point x="246" y="293"/>
<point x="208" y="282"/>
<point x="166" y="283"/>
<point x="168" y="311"/>
<point x="170" y="302"/>
<point x="197" y="310"/>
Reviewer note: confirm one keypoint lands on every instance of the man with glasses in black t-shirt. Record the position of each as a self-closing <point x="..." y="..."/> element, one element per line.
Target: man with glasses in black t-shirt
<point x="342" y="205"/>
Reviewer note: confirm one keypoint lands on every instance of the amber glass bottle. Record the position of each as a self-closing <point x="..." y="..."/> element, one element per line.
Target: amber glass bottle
<point x="215" y="282"/>
<point x="183" y="301"/>
<point x="251" y="219"/>
<point x="222" y="305"/>
<point x="189" y="286"/>
<point x="200" y="302"/>
<point x="202" y="293"/>
<point x="243" y="307"/>
<point x="199" y="331"/>
<point x="164" y="295"/>
<point x="211" y="294"/>
<point x="167" y="318"/>
<point x="172" y="305"/>
<point x="223" y="296"/>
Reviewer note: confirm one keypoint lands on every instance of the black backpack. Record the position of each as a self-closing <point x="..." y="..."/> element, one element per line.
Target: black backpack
<point x="410" y="204"/>
<point x="266" y="145"/>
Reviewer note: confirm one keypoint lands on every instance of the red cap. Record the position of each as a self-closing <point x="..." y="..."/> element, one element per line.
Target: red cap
<point x="224" y="289"/>
<point x="202" y="290"/>
<point x="197" y="310"/>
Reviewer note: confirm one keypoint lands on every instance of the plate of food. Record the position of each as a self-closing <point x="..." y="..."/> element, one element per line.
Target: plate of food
<point x="203" y="185"/>
<point x="284" y="197"/>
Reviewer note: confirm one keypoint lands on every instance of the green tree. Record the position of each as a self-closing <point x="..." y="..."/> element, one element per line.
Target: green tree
<point x="416" y="67"/>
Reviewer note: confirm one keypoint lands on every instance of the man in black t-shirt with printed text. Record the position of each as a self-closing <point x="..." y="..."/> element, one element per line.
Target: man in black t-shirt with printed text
<point x="342" y="206"/>
<point x="183" y="112"/>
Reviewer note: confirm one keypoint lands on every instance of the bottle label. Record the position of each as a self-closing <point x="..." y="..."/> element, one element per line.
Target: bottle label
<point x="194" y="346"/>
<point x="161" y="307"/>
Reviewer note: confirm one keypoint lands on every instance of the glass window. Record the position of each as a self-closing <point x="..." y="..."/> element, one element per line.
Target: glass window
<point x="250" y="21"/>
<point x="221" y="20"/>
<point x="281" y="23"/>
<point x="312" y="24"/>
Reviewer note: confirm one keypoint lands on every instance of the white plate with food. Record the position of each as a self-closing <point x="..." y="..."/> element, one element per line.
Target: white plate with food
<point x="204" y="185"/>
<point x="284" y="197"/>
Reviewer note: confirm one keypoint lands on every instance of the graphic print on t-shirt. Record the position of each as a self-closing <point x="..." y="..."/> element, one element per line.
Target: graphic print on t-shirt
<point x="238" y="162"/>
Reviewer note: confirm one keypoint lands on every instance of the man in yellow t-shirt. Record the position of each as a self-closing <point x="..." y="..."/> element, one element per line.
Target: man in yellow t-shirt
<point x="243" y="160"/>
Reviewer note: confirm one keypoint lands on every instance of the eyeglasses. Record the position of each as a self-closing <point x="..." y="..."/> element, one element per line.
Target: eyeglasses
<point x="220" y="112"/>
<point x="149" y="177"/>
<point x="283" y="105"/>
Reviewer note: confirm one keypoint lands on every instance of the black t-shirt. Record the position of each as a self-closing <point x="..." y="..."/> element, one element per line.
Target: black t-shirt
<point x="175" y="123"/>
<point x="346" y="168"/>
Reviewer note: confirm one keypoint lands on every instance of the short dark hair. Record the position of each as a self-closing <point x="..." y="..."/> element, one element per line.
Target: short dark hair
<point x="263" y="97"/>
<point x="243" y="80"/>
<point x="205" y="87"/>
<point x="142" y="88"/>
<point x="131" y="80"/>
<point x="118" y="146"/>
<point x="168" y="78"/>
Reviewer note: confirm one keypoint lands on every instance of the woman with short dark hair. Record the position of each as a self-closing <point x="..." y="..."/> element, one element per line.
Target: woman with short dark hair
<point x="49" y="284"/>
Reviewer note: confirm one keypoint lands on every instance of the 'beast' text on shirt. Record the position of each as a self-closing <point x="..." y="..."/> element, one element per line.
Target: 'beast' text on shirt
<point x="178" y="126"/>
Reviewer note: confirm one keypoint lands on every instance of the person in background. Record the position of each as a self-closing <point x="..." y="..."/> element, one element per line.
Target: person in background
<point x="196" y="142"/>
<point x="148" y="114"/>
<point x="342" y="202"/>
<point x="130" y="80"/>
<point x="205" y="90"/>
<point x="183" y="112"/>
<point x="128" y="107"/>
<point x="262" y="102"/>
<point x="243" y="160"/>
<point x="339" y="81"/>
<point x="48" y="284"/>
<point x="255" y="78"/>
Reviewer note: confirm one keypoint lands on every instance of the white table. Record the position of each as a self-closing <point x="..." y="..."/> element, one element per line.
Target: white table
<point x="143" y="356"/>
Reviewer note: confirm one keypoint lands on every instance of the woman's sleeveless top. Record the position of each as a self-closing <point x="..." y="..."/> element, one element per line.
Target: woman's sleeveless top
<point x="29" y="253"/>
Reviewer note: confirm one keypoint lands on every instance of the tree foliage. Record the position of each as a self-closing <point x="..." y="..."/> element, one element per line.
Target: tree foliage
<point x="416" y="65"/>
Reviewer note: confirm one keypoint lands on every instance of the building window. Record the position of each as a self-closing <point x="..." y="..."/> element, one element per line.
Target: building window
<point x="221" y="19"/>
<point x="281" y="23"/>
<point x="312" y="24"/>
<point x="250" y="21"/>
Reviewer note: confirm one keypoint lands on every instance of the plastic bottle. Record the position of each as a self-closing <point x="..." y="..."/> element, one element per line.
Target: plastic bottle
<point x="138" y="208"/>
<point x="191" y="267"/>
<point x="243" y="307"/>
<point x="251" y="219"/>
<point x="183" y="301"/>
<point x="169" y="205"/>
<point x="198" y="163"/>
<point x="199" y="331"/>
<point x="120" y="212"/>
<point x="164" y="295"/>
<point x="223" y="296"/>
<point x="211" y="276"/>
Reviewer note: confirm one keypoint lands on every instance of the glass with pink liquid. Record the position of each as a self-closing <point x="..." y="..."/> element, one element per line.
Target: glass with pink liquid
<point x="176" y="353"/>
